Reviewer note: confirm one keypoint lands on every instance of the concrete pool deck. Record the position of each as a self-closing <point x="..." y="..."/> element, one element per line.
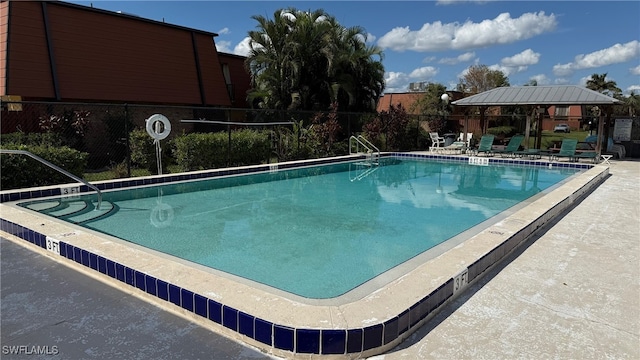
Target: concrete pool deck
<point x="550" y="306"/>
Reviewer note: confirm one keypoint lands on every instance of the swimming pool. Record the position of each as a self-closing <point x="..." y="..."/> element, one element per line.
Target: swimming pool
<point x="327" y="222"/>
<point x="368" y="323"/>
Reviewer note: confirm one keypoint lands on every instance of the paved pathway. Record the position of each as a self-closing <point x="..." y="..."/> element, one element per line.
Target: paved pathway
<point x="574" y="293"/>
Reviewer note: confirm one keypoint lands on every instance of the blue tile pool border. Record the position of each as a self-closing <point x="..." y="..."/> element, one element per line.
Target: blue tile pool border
<point x="347" y="341"/>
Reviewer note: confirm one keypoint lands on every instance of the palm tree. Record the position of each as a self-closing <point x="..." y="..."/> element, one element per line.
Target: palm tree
<point x="306" y="60"/>
<point x="632" y="103"/>
<point x="599" y="83"/>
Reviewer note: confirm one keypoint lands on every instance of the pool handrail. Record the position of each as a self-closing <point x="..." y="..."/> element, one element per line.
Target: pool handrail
<point x="361" y="140"/>
<point x="57" y="168"/>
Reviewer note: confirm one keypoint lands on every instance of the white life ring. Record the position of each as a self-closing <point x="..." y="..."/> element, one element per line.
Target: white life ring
<point x="154" y="131"/>
<point x="162" y="215"/>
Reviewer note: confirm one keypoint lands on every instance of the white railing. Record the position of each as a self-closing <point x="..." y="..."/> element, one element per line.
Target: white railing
<point x="371" y="150"/>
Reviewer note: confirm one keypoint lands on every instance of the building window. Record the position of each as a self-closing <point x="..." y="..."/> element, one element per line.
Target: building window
<point x="562" y="111"/>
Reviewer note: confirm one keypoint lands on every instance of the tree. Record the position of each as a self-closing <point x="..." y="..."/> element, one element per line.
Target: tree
<point x="480" y="78"/>
<point x="632" y="103"/>
<point x="599" y="83"/>
<point x="307" y="60"/>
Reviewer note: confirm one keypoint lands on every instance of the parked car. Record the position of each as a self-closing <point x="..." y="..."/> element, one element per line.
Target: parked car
<point x="562" y="128"/>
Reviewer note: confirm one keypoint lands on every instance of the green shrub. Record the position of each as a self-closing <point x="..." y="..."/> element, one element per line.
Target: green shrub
<point x="211" y="150"/>
<point x="143" y="151"/>
<point x="21" y="138"/>
<point x="21" y="171"/>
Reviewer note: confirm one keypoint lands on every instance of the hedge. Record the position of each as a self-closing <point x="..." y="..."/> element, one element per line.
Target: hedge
<point x="21" y="171"/>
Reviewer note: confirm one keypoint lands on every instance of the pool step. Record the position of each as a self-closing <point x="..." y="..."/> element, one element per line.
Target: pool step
<point x="75" y="211"/>
<point x="106" y="209"/>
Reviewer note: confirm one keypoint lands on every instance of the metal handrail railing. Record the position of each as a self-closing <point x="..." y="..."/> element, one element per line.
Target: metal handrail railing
<point x="57" y="168"/>
<point x="361" y="140"/>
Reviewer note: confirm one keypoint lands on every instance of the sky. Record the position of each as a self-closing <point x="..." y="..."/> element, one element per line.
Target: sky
<point x="551" y="42"/>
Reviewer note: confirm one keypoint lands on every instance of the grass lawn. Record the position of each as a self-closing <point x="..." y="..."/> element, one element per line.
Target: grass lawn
<point x="549" y="137"/>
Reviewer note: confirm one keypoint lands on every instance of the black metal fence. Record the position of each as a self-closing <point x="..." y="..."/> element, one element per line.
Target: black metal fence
<point x="104" y="131"/>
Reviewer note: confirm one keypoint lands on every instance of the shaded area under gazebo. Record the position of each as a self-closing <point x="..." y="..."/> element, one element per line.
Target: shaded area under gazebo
<point x="540" y="98"/>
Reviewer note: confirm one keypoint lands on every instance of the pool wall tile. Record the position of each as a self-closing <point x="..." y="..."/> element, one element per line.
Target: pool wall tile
<point x="139" y="280"/>
<point x="186" y="297"/>
<point x="307" y="341"/>
<point x="390" y="330"/>
<point x="162" y="289"/>
<point x="200" y="305"/>
<point x="120" y="272"/>
<point x="334" y="341"/>
<point x="63" y="248"/>
<point x="150" y="285"/>
<point x="93" y="261"/>
<point x="246" y="324"/>
<point x="215" y="311"/>
<point x="174" y="295"/>
<point x="404" y="322"/>
<point x="77" y="255"/>
<point x="230" y="317"/>
<point x="102" y="264"/>
<point x="415" y="314"/>
<point x="129" y="276"/>
<point x="372" y="337"/>
<point x="84" y="257"/>
<point x="283" y="337"/>
<point x="263" y="331"/>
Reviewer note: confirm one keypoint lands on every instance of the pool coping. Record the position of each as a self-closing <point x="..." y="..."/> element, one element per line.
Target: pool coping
<point x="280" y="326"/>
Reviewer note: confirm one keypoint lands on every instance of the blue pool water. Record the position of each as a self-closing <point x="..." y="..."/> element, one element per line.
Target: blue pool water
<point x="317" y="232"/>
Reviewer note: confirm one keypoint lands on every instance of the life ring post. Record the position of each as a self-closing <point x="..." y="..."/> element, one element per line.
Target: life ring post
<point x="158" y="127"/>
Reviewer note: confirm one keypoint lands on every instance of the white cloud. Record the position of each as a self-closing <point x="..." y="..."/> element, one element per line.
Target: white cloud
<point x="525" y="58"/>
<point x="468" y="56"/>
<point x="561" y="81"/>
<point x="634" y="88"/>
<point x="438" y="36"/>
<point x="428" y="59"/>
<point x="223" y="46"/>
<point x="224" y="31"/>
<point x="541" y="79"/>
<point x="243" y="47"/>
<point x="394" y="80"/>
<point x="517" y="63"/>
<point x="635" y="70"/>
<point x="615" y="54"/>
<point x="423" y="73"/>
<point x="371" y="38"/>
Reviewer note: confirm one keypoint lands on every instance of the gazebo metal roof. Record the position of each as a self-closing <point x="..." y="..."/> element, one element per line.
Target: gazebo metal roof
<point x="537" y="95"/>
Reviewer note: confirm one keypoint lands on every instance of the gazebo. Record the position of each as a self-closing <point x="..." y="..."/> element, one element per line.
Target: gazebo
<point x="540" y="98"/>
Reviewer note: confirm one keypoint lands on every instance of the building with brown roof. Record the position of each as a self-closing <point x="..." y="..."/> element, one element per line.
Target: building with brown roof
<point x="53" y="50"/>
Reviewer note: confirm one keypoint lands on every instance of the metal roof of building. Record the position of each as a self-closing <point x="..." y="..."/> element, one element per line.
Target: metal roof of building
<point x="537" y="95"/>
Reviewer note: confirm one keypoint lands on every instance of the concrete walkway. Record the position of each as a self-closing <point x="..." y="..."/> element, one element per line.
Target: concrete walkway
<point x="574" y="293"/>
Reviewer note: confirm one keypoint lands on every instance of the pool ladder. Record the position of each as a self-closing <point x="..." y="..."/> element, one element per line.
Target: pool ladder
<point x="371" y="151"/>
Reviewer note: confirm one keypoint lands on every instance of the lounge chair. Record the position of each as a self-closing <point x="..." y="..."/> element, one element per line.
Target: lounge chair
<point x="469" y="136"/>
<point x="437" y="141"/>
<point x="512" y="146"/>
<point x="567" y="150"/>
<point x="586" y="155"/>
<point x="486" y="144"/>
<point x="456" y="147"/>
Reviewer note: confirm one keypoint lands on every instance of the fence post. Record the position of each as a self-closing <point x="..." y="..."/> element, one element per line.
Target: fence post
<point x="229" y="142"/>
<point x="126" y="135"/>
